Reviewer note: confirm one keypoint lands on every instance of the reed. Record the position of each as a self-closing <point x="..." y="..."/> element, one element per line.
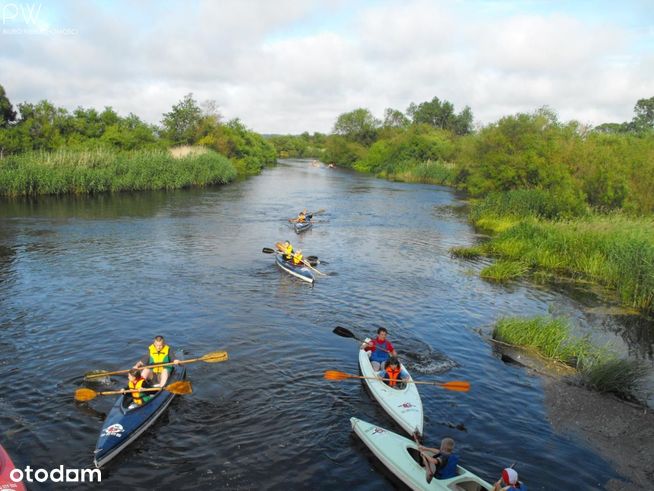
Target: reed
<point x="104" y="170"/>
<point x="502" y="271"/>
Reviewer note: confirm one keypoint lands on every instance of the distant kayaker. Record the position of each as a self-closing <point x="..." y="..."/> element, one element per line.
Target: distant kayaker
<point x="393" y="371"/>
<point x="443" y="462"/>
<point x="302" y="217"/>
<point x="136" y="381"/>
<point x="158" y="352"/>
<point x="510" y="480"/>
<point x="379" y="356"/>
<point x="298" y="258"/>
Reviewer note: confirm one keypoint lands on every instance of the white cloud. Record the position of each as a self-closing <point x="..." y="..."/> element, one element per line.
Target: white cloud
<point x="289" y="67"/>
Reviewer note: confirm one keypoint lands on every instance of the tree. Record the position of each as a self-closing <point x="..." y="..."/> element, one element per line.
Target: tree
<point x="644" y="115"/>
<point x="358" y="126"/>
<point x="181" y="124"/>
<point x="393" y="118"/>
<point x="440" y="114"/>
<point x="7" y="113"/>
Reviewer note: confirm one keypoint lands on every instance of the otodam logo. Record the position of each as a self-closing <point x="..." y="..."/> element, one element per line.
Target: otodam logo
<point x="59" y="474"/>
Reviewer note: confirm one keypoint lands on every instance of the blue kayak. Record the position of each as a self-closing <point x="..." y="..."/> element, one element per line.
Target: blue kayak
<point x="301" y="272"/>
<point x="122" y="425"/>
<point x="302" y="226"/>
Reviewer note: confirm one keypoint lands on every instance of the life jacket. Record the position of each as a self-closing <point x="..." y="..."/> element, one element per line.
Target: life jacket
<point x="157" y="357"/>
<point x="288" y="252"/>
<point x="377" y="354"/>
<point x="448" y="470"/>
<point x="301" y="218"/>
<point x="393" y="375"/>
<point x="297" y="258"/>
<point x="138" y="397"/>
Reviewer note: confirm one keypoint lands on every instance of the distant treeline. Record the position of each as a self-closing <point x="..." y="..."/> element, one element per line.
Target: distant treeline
<point x="31" y="133"/>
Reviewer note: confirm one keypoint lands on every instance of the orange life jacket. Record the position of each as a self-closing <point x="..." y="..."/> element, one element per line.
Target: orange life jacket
<point x="393" y="375"/>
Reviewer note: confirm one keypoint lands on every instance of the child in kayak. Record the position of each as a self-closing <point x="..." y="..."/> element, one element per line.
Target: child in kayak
<point x="443" y="462"/>
<point x="394" y="372"/>
<point x="510" y="479"/>
<point x="136" y="381"/>
<point x="379" y="349"/>
<point x="158" y="352"/>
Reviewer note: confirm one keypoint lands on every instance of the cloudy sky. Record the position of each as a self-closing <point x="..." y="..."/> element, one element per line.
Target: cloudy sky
<point x="286" y="66"/>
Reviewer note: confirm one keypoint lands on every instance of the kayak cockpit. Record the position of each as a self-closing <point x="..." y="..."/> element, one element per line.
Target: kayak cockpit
<point x="463" y="481"/>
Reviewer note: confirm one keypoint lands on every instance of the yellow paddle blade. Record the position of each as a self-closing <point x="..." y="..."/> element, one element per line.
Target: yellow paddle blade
<point x="336" y="375"/>
<point x="180" y="388"/>
<point x="215" y="357"/>
<point x="85" y="394"/>
<point x="456" y="385"/>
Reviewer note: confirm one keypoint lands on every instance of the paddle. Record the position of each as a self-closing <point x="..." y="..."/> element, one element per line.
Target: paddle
<point x="455" y="385"/>
<point x="429" y="475"/>
<point x="214" y="357"/>
<point x="346" y="333"/>
<point x="181" y="387"/>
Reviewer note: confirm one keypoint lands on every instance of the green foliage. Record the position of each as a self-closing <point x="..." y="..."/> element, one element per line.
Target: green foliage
<point x="97" y="171"/>
<point x="441" y="115"/>
<point x="393" y="118"/>
<point x="358" y="126"/>
<point x="182" y="123"/>
<point x="644" y="115"/>
<point x="610" y="374"/>
<point x="521" y="203"/>
<point x="299" y="146"/>
<point x="342" y="151"/>
<point x="7" y="113"/>
<point x="503" y="271"/>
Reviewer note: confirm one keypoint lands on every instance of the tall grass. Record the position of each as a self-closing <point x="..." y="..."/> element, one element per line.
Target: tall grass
<point x="102" y="170"/>
<point x="598" y="368"/>
<point x="425" y="172"/>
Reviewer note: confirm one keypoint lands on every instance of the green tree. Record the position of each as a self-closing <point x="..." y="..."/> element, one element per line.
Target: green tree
<point x="644" y="115"/>
<point x="7" y="113"/>
<point x="181" y="124"/>
<point x="440" y="114"/>
<point x="394" y="118"/>
<point x="358" y="126"/>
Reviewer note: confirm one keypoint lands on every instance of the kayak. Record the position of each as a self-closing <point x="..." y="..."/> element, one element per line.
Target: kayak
<point x="301" y="272"/>
<point x="6" y="466"/>
<point x="403" y="405"/>
<point x="394" y="452"/>
<point x="123" y="425"/>
<point x="302" y="226"/>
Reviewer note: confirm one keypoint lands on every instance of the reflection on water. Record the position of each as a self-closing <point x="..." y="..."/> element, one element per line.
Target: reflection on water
<point x="85" y="283"/>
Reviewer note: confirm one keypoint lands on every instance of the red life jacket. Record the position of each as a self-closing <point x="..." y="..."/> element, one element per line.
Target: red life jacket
<point x="393" y="375"/>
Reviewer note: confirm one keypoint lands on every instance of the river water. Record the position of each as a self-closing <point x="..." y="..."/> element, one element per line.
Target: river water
<point x="86" y="283"/>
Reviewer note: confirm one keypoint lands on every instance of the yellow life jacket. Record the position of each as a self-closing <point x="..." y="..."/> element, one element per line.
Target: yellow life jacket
<point x="157" y="357"/>
<point x="139" y="397"/>
<point x="297" y="258"/>
<point x="288" y="251"/>
<point x="301" y="217"/>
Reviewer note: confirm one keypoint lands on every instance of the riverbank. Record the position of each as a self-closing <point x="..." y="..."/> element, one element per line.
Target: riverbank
<point x="103" y="170"/>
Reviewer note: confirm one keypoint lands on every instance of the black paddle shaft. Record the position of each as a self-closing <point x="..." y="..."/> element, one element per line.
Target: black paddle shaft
<point x="346" y="333"/>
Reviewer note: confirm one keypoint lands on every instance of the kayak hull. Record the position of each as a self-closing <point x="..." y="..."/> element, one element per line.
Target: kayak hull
<point x="302" y="227"/>
<point x="393" y="450"/>
<point x="403" y="405"/>
<point x="6" y="466"/>
<point x="123" y="426"/>
<point x="301" y="272"/>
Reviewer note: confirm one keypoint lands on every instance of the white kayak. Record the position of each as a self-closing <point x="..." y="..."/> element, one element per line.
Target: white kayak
<point x="403" y="405"/>
<point x="393" y="450"/>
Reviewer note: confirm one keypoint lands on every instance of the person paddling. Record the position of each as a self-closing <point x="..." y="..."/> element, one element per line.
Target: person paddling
<point x="393" y="371"/>
<point x="510" y="480"/>
<point x="158" y="352"/>
<point x="286" y="249"/>
<point x="136" y="381"/>
<point x="379" y="356"/>
<point x="298" y="258"/>
<point x="443" y="462"/>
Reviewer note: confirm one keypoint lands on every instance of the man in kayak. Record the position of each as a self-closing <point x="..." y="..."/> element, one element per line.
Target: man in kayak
<point x="136" y="381"/>
<point x="393" y="371"/>
<point x="443" y="462"/>
<point x="158" y="352"/>
<point x="302" y="217"/>
<point x="379" y="349"/>
<point x="510" y="479"/>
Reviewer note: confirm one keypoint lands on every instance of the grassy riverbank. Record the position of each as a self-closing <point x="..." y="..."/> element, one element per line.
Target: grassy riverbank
<point x="598" y="368"/>
<point x="102" y="170"/>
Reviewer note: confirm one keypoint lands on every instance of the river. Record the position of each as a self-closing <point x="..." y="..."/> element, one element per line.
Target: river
<point x="85" y="283"/>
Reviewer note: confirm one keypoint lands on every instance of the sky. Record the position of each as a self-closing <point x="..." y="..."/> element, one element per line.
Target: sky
<point x="286" y="66"/>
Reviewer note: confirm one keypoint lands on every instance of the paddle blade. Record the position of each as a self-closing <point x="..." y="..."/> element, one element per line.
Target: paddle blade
<point x="85" y="394"/>
<point x="341" y="331"/>
<point x="456" y="385"/>
<point x="215" y="357"/>
<point x="268" y="250"/>
<point x="181" y="387"/>
<point x="336" y="375"/>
